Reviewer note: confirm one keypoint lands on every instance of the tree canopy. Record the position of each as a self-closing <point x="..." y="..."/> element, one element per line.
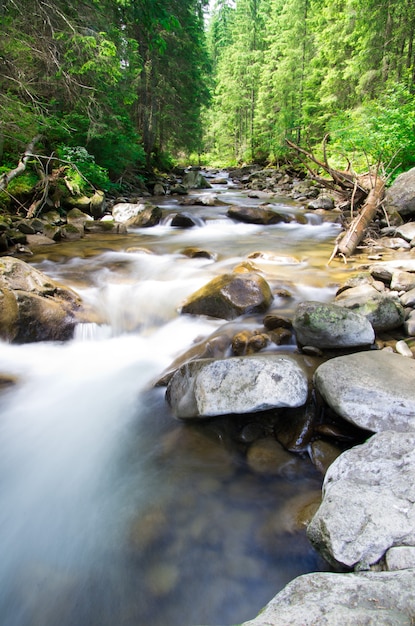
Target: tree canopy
<point x="299" y="69"/>
<point x="120" y="85"/>
<point x="124" y="80"/>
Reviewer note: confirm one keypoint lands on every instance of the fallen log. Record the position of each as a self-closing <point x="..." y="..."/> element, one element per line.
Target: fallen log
<point x="357" y="228"/>
<point x="364" y="190"/>
<point x="6" y="177"/>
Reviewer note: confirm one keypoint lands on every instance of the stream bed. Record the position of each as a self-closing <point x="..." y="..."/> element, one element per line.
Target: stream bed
<point x="113" y="512"/>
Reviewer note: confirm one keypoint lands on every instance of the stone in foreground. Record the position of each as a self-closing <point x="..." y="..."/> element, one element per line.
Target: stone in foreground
<point x="331" y="326"/>
<point x="368" y="502"/>
<point x="208" y="387"/>
<point x="374" y="390"/>
<point x="326" y="599"/>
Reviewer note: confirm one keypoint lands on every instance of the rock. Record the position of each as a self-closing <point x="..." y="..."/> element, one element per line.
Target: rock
<point x="373" y="390"/>
<point x="256" y="215"/>
<point x="323" y="454"/>
<point x="229" y="296"/>
<point x="196" y="253"/>
<point x="52" y="231"/>
<point x="123" y="211"/>
<point x="409" y="324"/>
<point x="52" y="217"/>
<point x="407" y="231"/>
<point x="322" y="202"/>
<point x="382" y="310"/>
<point x="295" y="428"/>
<point x="331" y="326"/>
<point x="15" y="237"/>
<point x="402" y="281"/>
<point x="26" y="227"/>
<point x="208" y="387"/>
<point x="96" y="205"/>
<point x="400" y="197"/>
<point x="71" y="232"/>
<point x="402" y="348"/>
<point x="180" y="190"/>
<point x="368" y="501"/>
<point x="400" y="557"/>
<point x="149" y="216"/>
<point x="34" y="307"/>
<point x="393" y="243"/>
<point x="327" y="599"/>
<point x="106" y="226"/>
<point x="78" y="218"/>
<point x="159" y="190"/>
<point x="249" y="342"/>
<point x="408" y="298"/>
<point x="185" y="220"/>
<point x="267" y="456"/>
<point x="195" y="180"/>
<point x="39" y="240"/>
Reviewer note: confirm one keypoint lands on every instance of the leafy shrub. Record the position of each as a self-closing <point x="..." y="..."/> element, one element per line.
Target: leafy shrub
<point x="85" y="173"/>
<point x="381" y="130"/>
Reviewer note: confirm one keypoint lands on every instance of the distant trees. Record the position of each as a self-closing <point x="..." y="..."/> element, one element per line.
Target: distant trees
<point x="123" y="79"/>
<point x="315" y="66"/>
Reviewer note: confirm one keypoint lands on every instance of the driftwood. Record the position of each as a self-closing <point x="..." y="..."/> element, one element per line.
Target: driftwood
<point x="357" y="228"/>
<point x="364" y="191"/>
<point x="6" y="177"/>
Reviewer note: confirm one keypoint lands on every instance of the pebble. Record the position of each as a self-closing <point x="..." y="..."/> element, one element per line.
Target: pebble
<point x="402" y="348"/>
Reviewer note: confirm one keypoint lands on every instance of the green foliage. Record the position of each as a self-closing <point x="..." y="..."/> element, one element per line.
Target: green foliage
<point x="86" y="172"/>
<point x="381" y="130"/>
<point x="341" y="66"/>
<point x="20" y="187"/>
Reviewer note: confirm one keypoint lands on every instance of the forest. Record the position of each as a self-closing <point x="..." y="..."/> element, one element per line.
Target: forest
<point x="118" y="88"/>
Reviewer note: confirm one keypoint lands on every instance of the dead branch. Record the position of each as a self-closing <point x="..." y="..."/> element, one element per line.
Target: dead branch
<point x="365" y="190"/>
<point x="354" y="234"/>
<point x="6" y="177"/>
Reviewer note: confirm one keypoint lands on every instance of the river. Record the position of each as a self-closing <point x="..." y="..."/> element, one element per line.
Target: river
<point x="113" y="512"/>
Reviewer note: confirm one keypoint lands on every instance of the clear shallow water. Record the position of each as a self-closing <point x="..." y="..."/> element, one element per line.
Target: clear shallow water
<point x="112" y="511"/>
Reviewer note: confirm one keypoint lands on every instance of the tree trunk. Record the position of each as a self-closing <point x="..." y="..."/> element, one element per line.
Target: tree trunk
<point x="8" y="176"/>
<point x="355" y="232"/>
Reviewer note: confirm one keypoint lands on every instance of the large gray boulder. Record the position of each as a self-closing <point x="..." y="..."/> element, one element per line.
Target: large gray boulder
<point x="326" y="599"/>
<point x="373" y="389"/>
<point x="207" y="387"/>
<point x="124" y="211"/>
<point x="400" y="196"/>
<point x="229" y="296"/>
<point x="331" y="326"/>
<point x="368" y="501"/>
<point x="382" y="310"/>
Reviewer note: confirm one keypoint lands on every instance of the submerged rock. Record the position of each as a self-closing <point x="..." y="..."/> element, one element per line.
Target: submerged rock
<point x="209" y="387"/>
<point x="373" y="390"/>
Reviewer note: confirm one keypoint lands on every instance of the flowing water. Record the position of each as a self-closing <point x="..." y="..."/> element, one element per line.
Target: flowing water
<point x="113" y="512"/>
